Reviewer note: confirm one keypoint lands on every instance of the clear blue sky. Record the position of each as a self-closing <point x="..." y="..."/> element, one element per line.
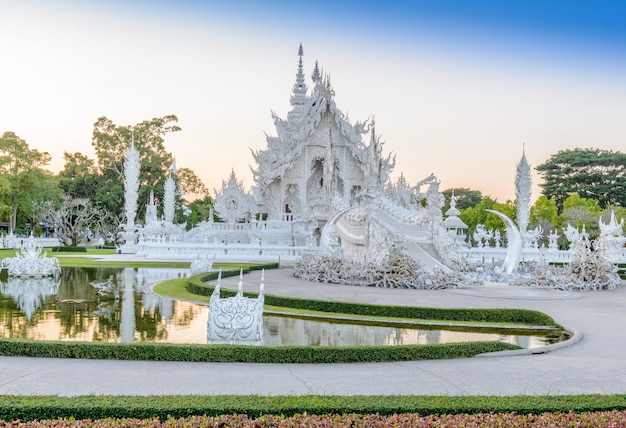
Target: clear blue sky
<point x="456" y="86"/>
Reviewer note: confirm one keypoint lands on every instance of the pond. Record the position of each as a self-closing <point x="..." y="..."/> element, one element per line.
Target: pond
<point x="69" y="309"/>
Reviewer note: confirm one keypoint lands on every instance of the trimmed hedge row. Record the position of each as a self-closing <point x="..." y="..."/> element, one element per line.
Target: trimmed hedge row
<point x="196" y="285"/>
<point x="69" y="249"/>
<point x="28" y="408"/>
<point x="244" y="353"/>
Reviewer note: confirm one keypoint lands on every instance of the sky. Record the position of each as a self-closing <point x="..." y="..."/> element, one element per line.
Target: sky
<point x="457" y="88"/>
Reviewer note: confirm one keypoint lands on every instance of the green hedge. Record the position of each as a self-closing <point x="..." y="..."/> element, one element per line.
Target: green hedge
<point x="69" y="249"/>
<point x="244" y="353"/>
<point x="196" y="285"/>
<point x="28" y="408"/>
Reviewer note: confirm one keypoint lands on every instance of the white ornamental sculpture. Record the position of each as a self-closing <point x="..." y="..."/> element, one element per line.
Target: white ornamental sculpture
<point x="169" y="197"/>
<point x="231" y="202"/>
<point x="31" y="261"/>
<point x="514" y="248"/>
<point x="611" y="239"/>
<point x="523" y="183"/>
<point x="202" y="263"/>
<point x="131" y="193"/>
<point x="236" y="319"/>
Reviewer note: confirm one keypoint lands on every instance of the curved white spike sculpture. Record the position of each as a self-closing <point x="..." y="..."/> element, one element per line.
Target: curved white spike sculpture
<point x="514" y="249"/>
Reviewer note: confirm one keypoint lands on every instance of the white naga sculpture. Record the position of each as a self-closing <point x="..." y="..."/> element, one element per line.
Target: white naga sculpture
<point x="31" y="261"/>
<point x="236" y="319"/>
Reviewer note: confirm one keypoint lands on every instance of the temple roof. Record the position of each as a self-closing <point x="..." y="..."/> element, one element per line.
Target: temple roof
<point x="302" y="121"/>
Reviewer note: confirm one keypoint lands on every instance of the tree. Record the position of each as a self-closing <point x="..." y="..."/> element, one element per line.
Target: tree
<point x="581" y="212"/>
<point x="79" y="176"/>
<point x="545" y="214"/>
<point x="600" y="173"/>
<point x="465" y="198"/>
<point x="200" y="211"/>
<point x="23" y="178"/>
<point x="473" y="216"/>
<point x="190" y="183"/>
<point x="111" y="142"/>
<point x="74" y="221"/>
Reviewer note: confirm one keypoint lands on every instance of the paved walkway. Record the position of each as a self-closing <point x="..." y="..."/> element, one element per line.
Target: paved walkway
<point x="596" y="364"/>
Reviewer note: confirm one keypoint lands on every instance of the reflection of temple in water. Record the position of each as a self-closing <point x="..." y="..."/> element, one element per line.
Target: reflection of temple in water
<point x="149" y="276"/>
<point x="47" y="310"/>
<point x="29" y="294"/>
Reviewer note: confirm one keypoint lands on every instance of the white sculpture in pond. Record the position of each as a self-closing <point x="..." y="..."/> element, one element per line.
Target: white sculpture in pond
<point x="236" y="319"/>
<point x="31" y="261"/>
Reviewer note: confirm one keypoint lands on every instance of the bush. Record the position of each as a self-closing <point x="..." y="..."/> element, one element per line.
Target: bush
<point x="69" y="249"/>
<point x="245" y="353"/>
<point x="28" y="408"/>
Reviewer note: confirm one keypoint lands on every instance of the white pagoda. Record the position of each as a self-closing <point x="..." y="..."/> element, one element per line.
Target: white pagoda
<point x="321" y="184"/>
<point x="319" y="161"/>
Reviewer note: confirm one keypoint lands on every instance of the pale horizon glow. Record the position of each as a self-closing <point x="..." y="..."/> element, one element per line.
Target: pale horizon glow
<point x="457" y="91"/>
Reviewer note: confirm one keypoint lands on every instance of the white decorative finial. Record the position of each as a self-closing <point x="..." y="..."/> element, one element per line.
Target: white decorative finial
<point x="316" y="73"/>
<point x="298" y="98"/>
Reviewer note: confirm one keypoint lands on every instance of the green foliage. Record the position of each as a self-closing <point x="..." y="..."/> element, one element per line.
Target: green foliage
<point x="24" y="181"/>
<point x="69" y="249"/>
<point x="465" y="198"/>
<point x="545" y="213"/>
<point x="111" y="142"/>
<point x="243" y="353"/>
<point x="580" y="212"/>
<point x="478" y="214"/>
<point x="165" y="407"/>
<point x="595" y="172"/>
<point x="200" y="211"/>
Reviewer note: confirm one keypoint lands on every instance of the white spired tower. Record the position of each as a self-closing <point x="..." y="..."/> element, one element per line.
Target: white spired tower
<point x="131" y="192"/>
<point x="523" y="184"/>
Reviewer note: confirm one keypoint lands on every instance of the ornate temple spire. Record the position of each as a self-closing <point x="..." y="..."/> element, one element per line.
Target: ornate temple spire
<point x="523" y="184"/>
<point x="173" y="169"/>
<point x="316" y="77"/>
<point x="298" y="98"/>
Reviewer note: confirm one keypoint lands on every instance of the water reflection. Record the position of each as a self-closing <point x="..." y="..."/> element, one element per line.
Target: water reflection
<point x="29" y="294"/>
<point x="282" y="331"/>
<point x="70" y="309"/>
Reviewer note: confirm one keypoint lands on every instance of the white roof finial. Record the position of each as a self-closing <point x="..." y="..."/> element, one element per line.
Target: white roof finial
<point x="299" y="88"/>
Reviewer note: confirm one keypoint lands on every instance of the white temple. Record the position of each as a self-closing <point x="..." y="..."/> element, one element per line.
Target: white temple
<point x="322" y="189"/>
<point x="318" y="164"/>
